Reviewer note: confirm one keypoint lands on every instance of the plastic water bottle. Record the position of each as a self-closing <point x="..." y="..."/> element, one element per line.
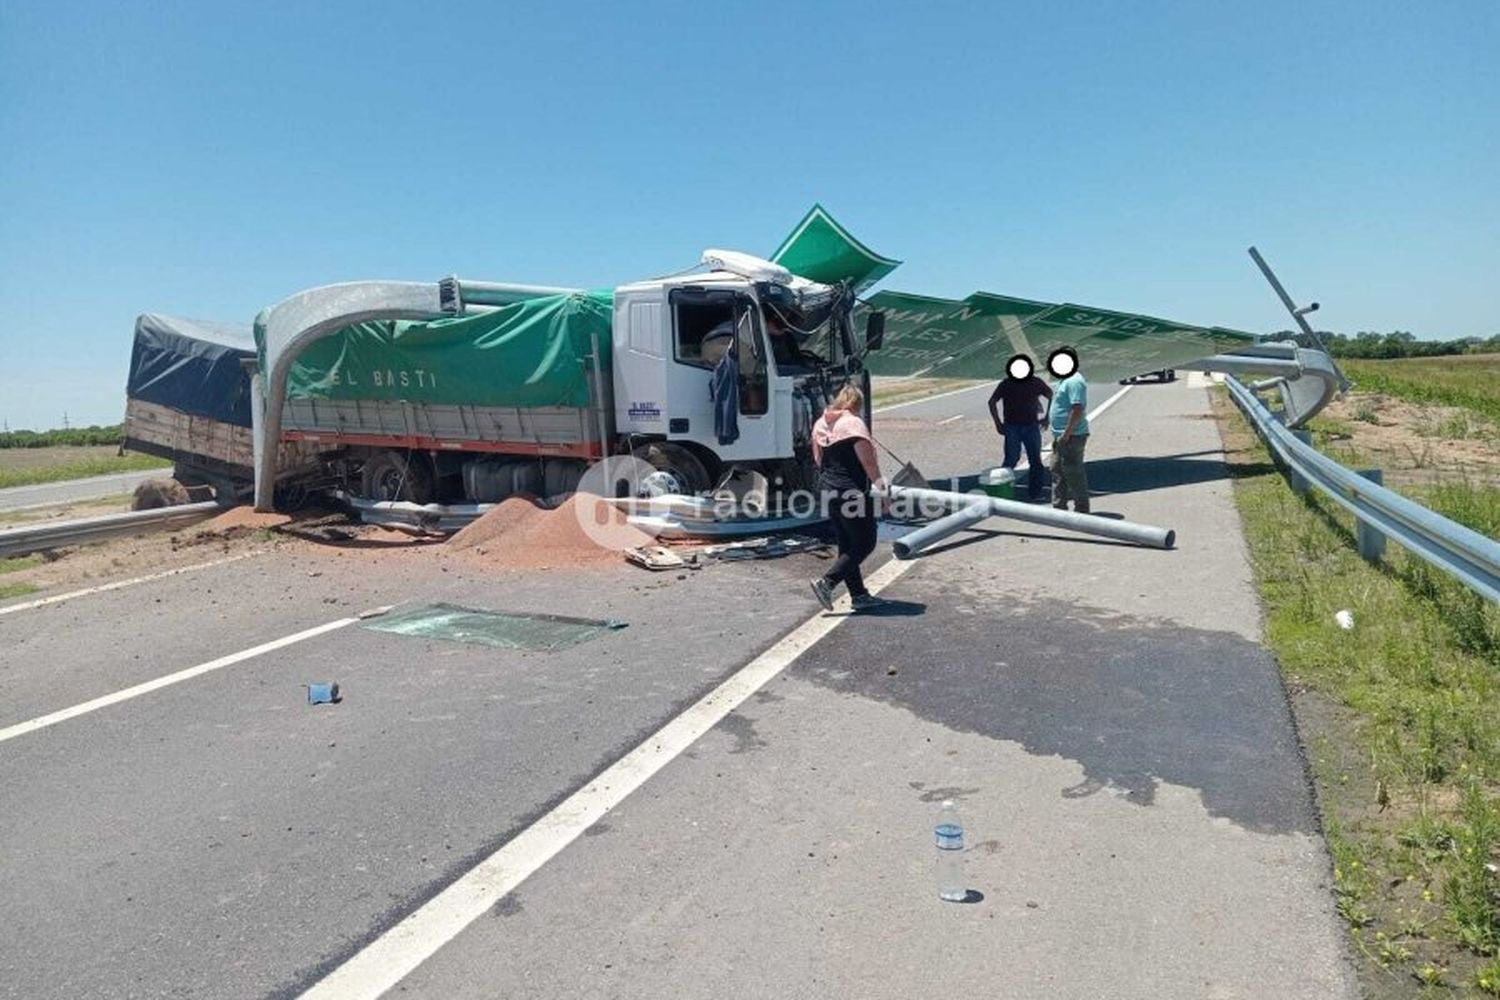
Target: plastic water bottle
<point x="949" y="834"/>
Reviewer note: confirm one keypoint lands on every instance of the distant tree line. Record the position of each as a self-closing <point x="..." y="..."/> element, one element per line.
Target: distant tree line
<point x="92" y="435"/>
<point x="1398" y="344"/>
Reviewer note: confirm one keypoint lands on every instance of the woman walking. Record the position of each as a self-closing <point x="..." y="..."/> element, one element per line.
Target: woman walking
<point x="847" y="468"/>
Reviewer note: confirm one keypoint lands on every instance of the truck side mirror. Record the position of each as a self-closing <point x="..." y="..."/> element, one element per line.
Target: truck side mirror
<point x="874" y="331"/>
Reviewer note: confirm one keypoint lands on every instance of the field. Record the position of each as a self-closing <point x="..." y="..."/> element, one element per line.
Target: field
<point x="886" y="392"/>
<point x="25" y="466"/>
<point x="1469" y="381"/>
<point x="1400" y="714"/>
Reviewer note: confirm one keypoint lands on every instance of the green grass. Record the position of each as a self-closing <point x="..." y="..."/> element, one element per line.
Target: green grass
<point x="14" y="564"/>
<point x="68" y="464"/>
<point x="16" y="590"/>
<point x="1407" y="761"/>
<point x="1470" y="381"/>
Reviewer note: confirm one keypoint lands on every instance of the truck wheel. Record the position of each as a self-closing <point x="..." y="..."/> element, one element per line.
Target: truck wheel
<point x="390" y="475"/>
<point x="677" y="462"/>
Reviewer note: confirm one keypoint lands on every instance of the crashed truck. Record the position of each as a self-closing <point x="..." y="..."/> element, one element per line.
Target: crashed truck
<point x="487" y="391"/>
<point x="467" y="392"/>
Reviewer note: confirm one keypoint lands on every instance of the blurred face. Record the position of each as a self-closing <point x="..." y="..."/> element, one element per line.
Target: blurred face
<point x="1063" y="362"/>
<point x="1018" y="367"/>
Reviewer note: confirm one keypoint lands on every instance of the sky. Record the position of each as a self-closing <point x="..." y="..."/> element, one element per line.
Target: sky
<point x="210" y="159"/>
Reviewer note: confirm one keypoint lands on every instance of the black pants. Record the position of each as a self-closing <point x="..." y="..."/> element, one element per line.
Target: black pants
<point x="854" y="524"/>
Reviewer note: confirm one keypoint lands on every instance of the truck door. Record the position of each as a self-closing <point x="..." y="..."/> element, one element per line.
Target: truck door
<point x="707" y="324"/>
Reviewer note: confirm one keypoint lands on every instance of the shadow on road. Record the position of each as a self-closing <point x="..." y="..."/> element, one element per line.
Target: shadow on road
<point x="1134" y="702"/>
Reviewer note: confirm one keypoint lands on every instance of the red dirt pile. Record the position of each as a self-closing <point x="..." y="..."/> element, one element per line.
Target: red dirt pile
<point x="245" y="517"/>
<point x="520" y="533"/>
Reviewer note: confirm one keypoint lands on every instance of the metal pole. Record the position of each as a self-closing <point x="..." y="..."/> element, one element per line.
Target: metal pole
<point x="1371" y="540"/>
<point x="909" y="545"/>
<point x="1297" y="314"/>
<point x="599" y="412"/>
<point x="1125" y="531"/>
<point x="1296" y="480"/>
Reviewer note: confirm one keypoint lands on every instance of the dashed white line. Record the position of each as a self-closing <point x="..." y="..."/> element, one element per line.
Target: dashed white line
<point x="53" y="718"/>
<point x="949" y="420"/>
<point x="392" y="956"/>
<point x="102" y="588"/>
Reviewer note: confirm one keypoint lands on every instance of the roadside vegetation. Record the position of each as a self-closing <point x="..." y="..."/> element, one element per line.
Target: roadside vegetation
<point x="886" y="392"/>
<point x="74" y="436"/>
<point x="1470" y="381"/>
<point x="26" y="466"/>
<point x="11" y="588"/>
<point x="1400" y="714"/>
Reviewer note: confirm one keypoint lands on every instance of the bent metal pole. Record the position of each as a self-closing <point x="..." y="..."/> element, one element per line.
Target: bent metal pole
<point x="909" y="545"/>
<point x="1088" y="524"/>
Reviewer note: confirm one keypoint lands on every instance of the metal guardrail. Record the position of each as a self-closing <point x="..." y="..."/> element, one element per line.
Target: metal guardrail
<point x="58" y="534"/>
<point x="1460" y="551"/>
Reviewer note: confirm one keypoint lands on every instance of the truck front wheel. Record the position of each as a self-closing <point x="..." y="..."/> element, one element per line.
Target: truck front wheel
<point x="678" y="463"/>
<point x="391" y="475"/>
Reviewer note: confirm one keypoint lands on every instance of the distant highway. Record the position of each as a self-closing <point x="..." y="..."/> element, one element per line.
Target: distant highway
<point x="72" y="490"/>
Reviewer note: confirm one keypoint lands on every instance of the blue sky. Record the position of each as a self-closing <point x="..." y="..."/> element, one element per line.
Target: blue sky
<point x="210" y="159"/>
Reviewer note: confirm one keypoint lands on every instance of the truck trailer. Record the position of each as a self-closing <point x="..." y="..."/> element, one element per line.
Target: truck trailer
<point x="504" y="394"/>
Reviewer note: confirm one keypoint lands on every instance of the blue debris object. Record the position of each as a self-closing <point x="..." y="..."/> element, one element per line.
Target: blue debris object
<point x="323" y="694"/>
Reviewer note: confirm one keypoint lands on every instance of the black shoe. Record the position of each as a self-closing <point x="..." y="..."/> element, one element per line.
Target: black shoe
<point x="823" y="593"/>
<point x="865" y="602"/>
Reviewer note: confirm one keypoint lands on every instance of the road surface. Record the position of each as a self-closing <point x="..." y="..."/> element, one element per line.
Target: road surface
<point x="1138" y="817"/>
<point x="74" y="490"/>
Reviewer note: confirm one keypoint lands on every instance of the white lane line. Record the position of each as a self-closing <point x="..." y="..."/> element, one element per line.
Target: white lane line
<point x="950" y="420"/>
<point x="53" y="718"/>
<point x="1046" y="451"/>
<point x="928" y="399"/>
<point x="58" y="598"/>
<point x="392" y="956"/>
<point x="1111" y="401"/>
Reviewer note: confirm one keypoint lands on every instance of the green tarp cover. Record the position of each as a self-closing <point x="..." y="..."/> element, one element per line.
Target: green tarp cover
<point x="534" y="353"/>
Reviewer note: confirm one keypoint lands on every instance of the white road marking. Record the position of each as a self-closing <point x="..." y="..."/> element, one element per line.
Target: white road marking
<point x="392" y="956"/>
<point x="928" y="399"/>
<point x="58" y="598"/>
<point x="950" y="420"/>
<point x="53" y="718"/>
<point x="1046" y="451"/>
<point x="1111" y="401"/>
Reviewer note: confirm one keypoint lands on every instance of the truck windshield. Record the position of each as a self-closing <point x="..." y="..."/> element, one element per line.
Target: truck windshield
<point x="822" y="344"/>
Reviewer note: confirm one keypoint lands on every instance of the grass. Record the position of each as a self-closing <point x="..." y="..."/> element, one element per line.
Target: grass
<point x="907" y="390"/>
<point x="28" y="466"/>
<point x="14" y="564"/>
<point x="1401" y="715"/>
<point x="1471" y="381"/>
<point x="17" y="590"/>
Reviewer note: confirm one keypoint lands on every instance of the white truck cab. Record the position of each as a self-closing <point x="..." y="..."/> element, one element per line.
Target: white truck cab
<point x="670" y="333"/>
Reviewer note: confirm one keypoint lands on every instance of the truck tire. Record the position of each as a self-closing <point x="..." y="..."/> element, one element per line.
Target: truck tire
<point x="391" y="475"/>
<point x="677" y="462"/>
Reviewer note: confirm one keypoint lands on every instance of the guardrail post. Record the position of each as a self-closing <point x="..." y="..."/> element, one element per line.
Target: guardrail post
<point x="1371" y="540"/>
<point x="1296" y="480"/>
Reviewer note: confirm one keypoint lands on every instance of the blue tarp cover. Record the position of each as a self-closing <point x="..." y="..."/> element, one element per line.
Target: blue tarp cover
<point x="192" y="366"/>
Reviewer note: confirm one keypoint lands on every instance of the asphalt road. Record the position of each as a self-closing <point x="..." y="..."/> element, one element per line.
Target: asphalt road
<point x="73" y="490"/>
<point x="1138" y="818"/>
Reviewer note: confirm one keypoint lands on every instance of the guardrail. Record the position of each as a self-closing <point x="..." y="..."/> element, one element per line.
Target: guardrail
<point x="1460" y="551"/>
<point x="58" y="534"/>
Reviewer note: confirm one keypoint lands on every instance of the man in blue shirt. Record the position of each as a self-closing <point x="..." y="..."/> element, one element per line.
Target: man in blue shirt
<point x="1070" y="431"/>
